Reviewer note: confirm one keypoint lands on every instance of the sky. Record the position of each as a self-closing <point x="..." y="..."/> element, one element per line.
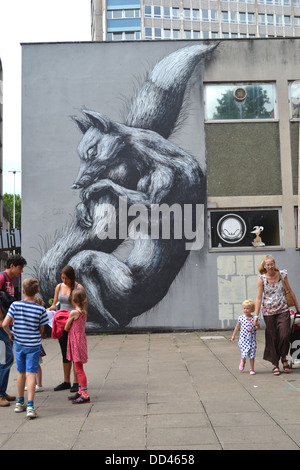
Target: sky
<point x="28" y="21"/>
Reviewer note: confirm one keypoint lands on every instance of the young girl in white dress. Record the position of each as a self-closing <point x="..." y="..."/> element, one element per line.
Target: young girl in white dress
<point x="247" y="341"/>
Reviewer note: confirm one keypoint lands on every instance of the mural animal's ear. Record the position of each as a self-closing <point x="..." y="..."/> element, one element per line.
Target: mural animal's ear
<point x="82" y="124"/>
<point x="97" y="120"/>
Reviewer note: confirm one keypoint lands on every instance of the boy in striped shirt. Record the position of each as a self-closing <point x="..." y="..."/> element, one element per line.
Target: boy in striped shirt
<point x="28" y="319"/>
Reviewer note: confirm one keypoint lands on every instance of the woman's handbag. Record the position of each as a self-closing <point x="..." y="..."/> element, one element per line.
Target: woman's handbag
<point x="288" y="295"/>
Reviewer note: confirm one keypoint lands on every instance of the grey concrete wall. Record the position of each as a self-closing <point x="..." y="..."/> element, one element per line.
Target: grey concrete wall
<point x="61" y="79"/>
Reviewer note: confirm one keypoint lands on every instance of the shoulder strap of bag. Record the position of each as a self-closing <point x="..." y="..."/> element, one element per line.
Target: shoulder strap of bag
<point x="284" y="284"/>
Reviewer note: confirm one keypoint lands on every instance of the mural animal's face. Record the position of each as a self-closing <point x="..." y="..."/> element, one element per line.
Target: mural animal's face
<point x="98" y="150"/>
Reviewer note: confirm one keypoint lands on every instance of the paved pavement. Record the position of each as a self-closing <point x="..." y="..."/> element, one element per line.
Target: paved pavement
<point x="161" y="391"/>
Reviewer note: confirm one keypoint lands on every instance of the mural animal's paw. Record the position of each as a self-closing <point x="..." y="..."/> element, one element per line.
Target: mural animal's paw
<point x="83" y="216"/>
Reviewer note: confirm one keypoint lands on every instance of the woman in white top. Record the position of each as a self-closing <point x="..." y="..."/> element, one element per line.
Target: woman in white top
<point x="272" y="301"/>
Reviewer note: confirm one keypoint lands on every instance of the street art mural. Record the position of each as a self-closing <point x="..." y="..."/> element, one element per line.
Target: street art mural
<point x="142" y="200"/>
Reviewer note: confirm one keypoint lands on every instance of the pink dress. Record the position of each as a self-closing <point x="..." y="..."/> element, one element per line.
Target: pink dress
<point x="77" y="343"/>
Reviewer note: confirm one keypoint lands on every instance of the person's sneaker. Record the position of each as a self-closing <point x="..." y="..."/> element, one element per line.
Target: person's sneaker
<point x="4" y="402"/>
<point x="74" y="388"/>
<point x="19" y="408"/>
<point x="31" y="413"/>
<point x="80" y="400"/>
<point x="37" y="388"/>
<point x="74" y="397"/>
<point x="62" y="386"/>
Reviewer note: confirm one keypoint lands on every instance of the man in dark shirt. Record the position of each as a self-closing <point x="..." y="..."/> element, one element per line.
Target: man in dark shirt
<point x="15" y="265"/>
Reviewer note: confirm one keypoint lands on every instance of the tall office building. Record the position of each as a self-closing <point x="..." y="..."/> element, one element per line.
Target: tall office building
<point x="4" y="217"/>
<point x="115" y="20"/>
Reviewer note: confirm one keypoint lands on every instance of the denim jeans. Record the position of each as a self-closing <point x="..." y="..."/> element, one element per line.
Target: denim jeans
<point x="6" y="360"/>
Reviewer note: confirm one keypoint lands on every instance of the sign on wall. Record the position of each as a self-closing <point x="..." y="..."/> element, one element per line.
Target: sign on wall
<point x="10" y="239"/>
<point x="245" y="228"/>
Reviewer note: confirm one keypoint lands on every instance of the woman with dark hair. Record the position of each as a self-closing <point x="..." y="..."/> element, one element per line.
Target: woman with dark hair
<point x="62" y="295"/>
<point x="272" y="301"/>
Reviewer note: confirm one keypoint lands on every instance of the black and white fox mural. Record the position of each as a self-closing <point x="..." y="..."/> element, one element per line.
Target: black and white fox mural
<point x="142" y="199"/>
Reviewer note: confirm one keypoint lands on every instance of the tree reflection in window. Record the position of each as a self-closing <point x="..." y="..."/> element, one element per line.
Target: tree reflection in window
<point x="222" y="101"/>
<point x="295" y="99"/>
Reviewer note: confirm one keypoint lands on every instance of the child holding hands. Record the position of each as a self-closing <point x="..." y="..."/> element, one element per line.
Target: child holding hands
<point x="247" y="340"/>
<point x="77" y="343"/>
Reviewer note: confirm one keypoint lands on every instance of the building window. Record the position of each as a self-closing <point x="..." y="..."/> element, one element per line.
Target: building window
<point x="240" y="101"/>
<point x="156" y="11"/>
<point x="214" y="15"/>
<point x="251" y="18"/>
<point x="118" y="14"/>
<point x="234" y="229"/>
<point x="148" y="33"/>
<point x="233" y="17"/>
<point x="175" y="13"/>
<point x="204" y="14"/>
<point x="225" y="16"/>
<point x="286" y="3"/>
<point x="196" y="15"/>
<point x="157" y="33"/>
<point x="124" y="36"/>
<point x="186" y="14"/>
<point x="242" y="18"/>
<point x="132" y="13"/>
<point x="148" y="11"/>
<point x="167" y="13"/>
<point x="167" y="34"/>
<point x="294" y="92"/>
<point x="117" y="36"/>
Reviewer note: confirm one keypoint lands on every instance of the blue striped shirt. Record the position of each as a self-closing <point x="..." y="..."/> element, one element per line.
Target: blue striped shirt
<point x="27" y="318"/>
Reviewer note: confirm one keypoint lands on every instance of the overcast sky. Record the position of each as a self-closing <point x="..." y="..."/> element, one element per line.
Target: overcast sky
<point x="31" y="21"/>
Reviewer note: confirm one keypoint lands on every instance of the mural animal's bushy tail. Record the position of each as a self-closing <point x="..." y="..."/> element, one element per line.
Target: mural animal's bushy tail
<point x="159" y="102"/>
<point x="132" y="166"/>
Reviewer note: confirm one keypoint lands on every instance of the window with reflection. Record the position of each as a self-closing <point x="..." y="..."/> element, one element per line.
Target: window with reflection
<point x="294" y="89"/>
<point x="240" y="101"/>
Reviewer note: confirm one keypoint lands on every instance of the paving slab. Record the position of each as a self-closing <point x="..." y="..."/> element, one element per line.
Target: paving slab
<point x="168" y="391"/>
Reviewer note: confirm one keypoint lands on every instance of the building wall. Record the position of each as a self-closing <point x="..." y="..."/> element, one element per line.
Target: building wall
<point x="3" y="218"/>
<point x="59" y="80"/>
